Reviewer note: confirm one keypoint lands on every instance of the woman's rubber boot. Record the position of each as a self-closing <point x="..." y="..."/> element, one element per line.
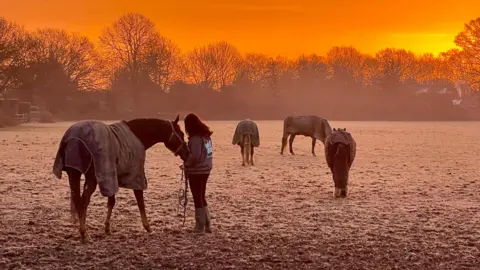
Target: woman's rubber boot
<point x="200" y="219"/>
<point x="208" y="221"/>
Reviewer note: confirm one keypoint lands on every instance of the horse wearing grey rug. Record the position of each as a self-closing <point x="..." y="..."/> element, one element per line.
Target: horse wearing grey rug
<point x="247" y="137"/>
<point x="112" y="157"/>
<point x="340" y="151"/>
<point x="309" y="126"/>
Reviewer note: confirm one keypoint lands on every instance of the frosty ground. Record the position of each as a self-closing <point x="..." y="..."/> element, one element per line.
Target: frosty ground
<point x="413" y="204"/>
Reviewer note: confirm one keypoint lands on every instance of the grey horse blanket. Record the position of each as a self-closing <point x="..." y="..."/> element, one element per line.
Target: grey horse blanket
<point x="117" y="155"/>
<point x="249" y="127"/>
<point x="343" y="137"/>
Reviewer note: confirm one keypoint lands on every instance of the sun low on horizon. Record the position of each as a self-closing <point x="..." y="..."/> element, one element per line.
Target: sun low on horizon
<point x="288" y="28"/>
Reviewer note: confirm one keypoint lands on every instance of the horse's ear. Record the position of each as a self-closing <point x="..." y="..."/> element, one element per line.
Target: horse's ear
<point x="176" y="119"/>
<point x="333" y="129"/>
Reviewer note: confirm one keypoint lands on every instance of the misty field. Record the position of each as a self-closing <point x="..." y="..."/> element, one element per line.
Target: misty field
<point x="413" y="204"/>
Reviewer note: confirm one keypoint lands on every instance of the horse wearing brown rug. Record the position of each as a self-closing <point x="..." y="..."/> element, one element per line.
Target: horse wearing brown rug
<point x="247" y="137"/>
<point x="112" y="156"/>
<point x="309" y="126"/>
<point x="340" y="151"/>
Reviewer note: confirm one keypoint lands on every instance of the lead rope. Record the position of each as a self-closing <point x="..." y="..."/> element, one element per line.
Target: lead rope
<point x="183" y="195"/>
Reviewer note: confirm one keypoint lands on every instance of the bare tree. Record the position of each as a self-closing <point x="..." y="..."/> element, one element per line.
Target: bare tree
<point x="214" y="66"/>
<point x="199" y="66"/>
<point x="227" y="61"/>
<point x="15" y="51"/>
<point x="255" y="66"/>
<point x="455" y="65"/>
<point x="163" y="61"/>
<point x="394" y="67"/>
<point x="469" y="41"/>
<point x="346" y="64"/>
<point x="312" y="69"/>
<point x="426" y="67"/>
<point x="76" y="54"/>
<point x="126" y="43"/>
<point x="369" y="70"/>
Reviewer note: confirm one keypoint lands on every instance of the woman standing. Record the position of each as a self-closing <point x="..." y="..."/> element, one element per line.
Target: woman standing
<point x="198" y="167"/>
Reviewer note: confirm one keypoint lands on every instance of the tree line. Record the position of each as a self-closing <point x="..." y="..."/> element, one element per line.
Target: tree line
<point x="135" y="70"/>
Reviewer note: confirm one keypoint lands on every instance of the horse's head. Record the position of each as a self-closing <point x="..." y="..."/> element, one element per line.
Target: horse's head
<point x="176" y="142"/>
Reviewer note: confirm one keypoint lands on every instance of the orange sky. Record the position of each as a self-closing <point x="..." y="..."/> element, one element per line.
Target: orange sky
<point x="283" y="27"/>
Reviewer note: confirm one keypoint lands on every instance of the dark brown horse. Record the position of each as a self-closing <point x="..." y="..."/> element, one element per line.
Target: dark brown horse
<point x="82" y="158"/>
<point x="340" y="152"/>
<point x="311" y="126"/>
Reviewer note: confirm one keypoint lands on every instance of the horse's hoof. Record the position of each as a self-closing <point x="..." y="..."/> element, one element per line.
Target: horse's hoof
<point x="243" y="164"/>
<point x="147" y="228"/>
<point x="107" y="230"/>
<point x="74" y="221"/>
<point x="84" y="239"/>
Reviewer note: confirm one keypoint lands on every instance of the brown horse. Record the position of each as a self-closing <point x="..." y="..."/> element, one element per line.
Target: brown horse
<point x="310" y="126"/>
<point x="247" y="137"/>
<point x="340" y="152"/>
<point x="112" y="156"/>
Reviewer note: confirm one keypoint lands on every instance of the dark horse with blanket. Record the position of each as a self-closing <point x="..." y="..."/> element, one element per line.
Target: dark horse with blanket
<point x="311" y="126"/>
<point x="112" y="156"/>
<point x="340" y="152"/>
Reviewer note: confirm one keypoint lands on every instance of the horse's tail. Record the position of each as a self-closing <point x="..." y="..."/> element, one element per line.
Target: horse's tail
<point x="342" y="154"/>
<point x="287" y="122"/>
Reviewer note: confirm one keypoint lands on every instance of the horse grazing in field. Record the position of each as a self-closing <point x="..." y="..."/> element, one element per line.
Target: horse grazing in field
<point x="340" y="151"/>
<point x="112" y="156"/>
<point x="309" y="126"/>
<point x="247" y="137"/>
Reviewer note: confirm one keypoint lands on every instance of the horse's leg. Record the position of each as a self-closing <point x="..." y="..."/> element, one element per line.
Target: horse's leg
<point x="292" y="137"/>
<point x="313" y="146"/>
<point x="242" y="150"/>
<point x="284" y="142"/>
<point x="248" y="146"/>
<point x="88" y="189"/>
<point x="141" y="207"/>
<point x="251" y="157"/>
<point x="75" y="199"/>
<point x="110" y="205"/>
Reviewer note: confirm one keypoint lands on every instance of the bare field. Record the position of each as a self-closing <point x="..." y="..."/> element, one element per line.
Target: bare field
<point x="413" y="204"/>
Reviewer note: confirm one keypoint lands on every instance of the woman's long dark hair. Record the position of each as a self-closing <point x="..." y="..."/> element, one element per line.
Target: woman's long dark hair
<point x="195" y="127"/>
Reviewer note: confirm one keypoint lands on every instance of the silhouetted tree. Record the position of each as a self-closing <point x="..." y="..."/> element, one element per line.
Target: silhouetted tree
<point x="163" y="62"/>
<point x="126" y="43"/>
<point x="255" y="67"/>
<point x="214" y="66"/>
<point x="346" y="64"/>
<point x="311" y="72"/>
<point x="469" y="41"/>
<point x="394" y="67"/>
<point x="75" y="54"/>
<point x="15" y="52"/>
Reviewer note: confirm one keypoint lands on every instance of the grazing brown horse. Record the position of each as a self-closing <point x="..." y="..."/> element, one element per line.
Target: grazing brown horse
<point x="247" y="137"/>
<point x="310" y="126"/>
<point x="113" y="157"/>
<point x="340" y="152"/>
